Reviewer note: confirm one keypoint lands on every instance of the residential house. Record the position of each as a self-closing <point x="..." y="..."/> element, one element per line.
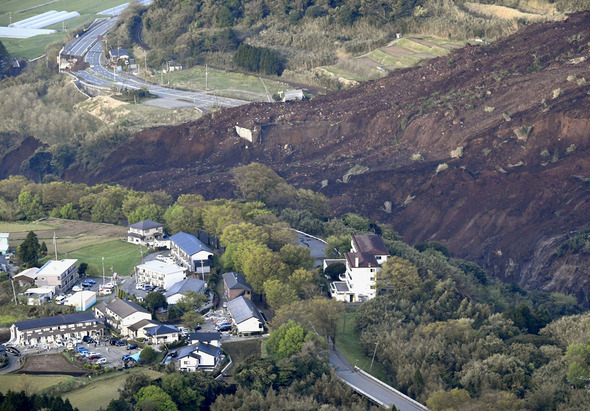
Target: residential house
<point x="62" y="274"/>
<point x="191" y="252"/>
<point x="159" y="274"/>
<point x="137" y="331"/>
<point x="358" y="283"/>
<point x="162" y="334"/>
<point x="178" y="290"/>
<point x="82" y="300"/>
<point x="121" y="314"/>
<point x="49" y="329"/>
<point x="116" y="54"/>
<point x="199" y="356"/>
<point x="39" y="295"/>
<point x="245" y="316"/>
<point x="27" y="277"/>
<point x="213" y="338"/>
<point x="4" y="243"/>
<point x="235" y="285"/>
<point x="147" y="233"/>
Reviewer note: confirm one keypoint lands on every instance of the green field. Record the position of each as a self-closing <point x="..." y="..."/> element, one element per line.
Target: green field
<point x="11" y="227"/>
<point x="119" y="255"/>
<point x="101" y="391"/>
<point x="12" y="10"/>
<point x="347" y="341"/>
<point x="227" y="83"/>
<point x="30" y="383"/>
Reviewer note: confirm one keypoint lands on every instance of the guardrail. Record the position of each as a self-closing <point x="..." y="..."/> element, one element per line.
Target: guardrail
<point x="390" y="388"/>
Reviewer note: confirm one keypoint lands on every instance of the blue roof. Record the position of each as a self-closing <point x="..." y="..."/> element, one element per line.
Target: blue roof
<point x="189" y="243"/>
<point x="209" y="349"/>
<point x="57" y="320"/>
<point x="188" y="284"/>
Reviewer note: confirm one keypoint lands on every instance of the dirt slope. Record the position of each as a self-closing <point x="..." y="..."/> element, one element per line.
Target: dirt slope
<point x="485" y="150"/>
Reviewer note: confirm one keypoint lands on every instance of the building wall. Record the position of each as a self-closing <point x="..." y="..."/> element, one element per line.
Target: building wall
<point x="159" y="279"/>
<point x="188" y="364"/>
<point x="62" y="282"/>
<point x="361" y="281"/>
<point x="251" y="325"/>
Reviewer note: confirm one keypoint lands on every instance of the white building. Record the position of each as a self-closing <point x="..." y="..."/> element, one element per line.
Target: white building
<point x="82" y="300"/>
<point x="245" y="316"/>
<point x="162" y="334"/>
<point x="190" y="252"/>
<point x="4" y="243"/>
<point x="358" y="283"/>
<point x="159" y="274"/>
<point x="202" y="356"/>
<point x="62" y="274"/>
<point x="147" y="233"/>
<point x="122" y="314"/>
<point x="39" y="295"/>
<point x="50" y="329"/>
<point x="178" y="290"/>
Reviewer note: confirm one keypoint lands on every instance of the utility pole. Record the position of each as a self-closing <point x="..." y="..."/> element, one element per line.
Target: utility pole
<point x="206" y="78"/>
<point x="13" y="290"/>
<point x="373" y="359"/>
<point x="55" y="245"/>
<point x="103" y="271"/>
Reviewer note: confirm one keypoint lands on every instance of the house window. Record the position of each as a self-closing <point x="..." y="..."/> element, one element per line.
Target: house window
<point x="372" y="279"/>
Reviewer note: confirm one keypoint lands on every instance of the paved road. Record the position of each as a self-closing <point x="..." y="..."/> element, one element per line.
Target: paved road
<point x="378" y="392"/>
<point x="317" y="248"/>
<point x="80" y="45"/>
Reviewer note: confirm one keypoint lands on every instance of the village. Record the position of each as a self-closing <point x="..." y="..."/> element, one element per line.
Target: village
<point x="111" y="328"/>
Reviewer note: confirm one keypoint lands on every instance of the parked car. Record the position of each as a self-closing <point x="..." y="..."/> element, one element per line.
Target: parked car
<point x="120" y="342"/>
<point x="84" y="353"/>
<point x="60" y="299"/>
<point x="113" y="341"/>
<point x="90" y="281"/>
<point x="139" y="286"/>
<point x="224" y="327"/>
<point x="147" y="287"/>
<point x="101" y="361"/>
<point x="77" y="288"/>
<point x="81" y="349"/>
<point x="132" y="346"/>
<point x="94" y="356"/>
<point x="70" y="346"/>
<point x="88" y="339"/>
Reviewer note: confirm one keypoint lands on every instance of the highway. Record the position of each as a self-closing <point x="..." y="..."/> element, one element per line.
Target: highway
<point x="90" y="47"/>
<point x="370" y="387"/>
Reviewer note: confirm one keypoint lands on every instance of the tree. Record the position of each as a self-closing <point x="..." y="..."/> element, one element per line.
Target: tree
<point x="146" y="212"/>
<point x="154" y="301"/>
<point x="578" y="359"/>
<point x="297" y="256"/>
<point x="320" y="313"/>
<point x="300" y="278"/>
<point x="254" y="181"/>
<point x="192" y="319"/>
<point x="191" y="301"/>
<point x="69" y="212"/>
<point x="30" y="205"/>
<point x="82" y="269"/>
<point x="448" y="400"/>
<point x="154" y="398"/>
<point x="179" y="218"/>
<point x="261" y="265"/>
<point x="43" y="249"/>
<point x="178" y="386"/>
<point x="336" y="246"/>
<point x="28" y="252"/>
<point x="398" y="274"/>
<point x="148" y="354"/>
<point x="241" y="232"/>
<point x="334" y="270"/>
<point x="278" y="293"/>
<point x="287" y="340"/>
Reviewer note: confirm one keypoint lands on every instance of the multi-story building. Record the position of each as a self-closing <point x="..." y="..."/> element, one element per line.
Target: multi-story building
<point x="62" y="274"/>
<point x="4" y="243"/>
<point x="358" y="283"/>
<point x="147" y="233"/>
<point x="159" y="274"/>
<point x="190" y="252"/>
<point x="235" y="285"/>
<point x="122" y="314"/>
<point x="50" y="329"/>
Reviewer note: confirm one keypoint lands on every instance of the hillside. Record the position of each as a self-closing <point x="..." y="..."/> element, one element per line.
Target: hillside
<point x="485" y="150"/>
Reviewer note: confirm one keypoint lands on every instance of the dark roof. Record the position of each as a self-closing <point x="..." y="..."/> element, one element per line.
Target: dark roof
<point x="209" y="349"/>
<point x="140" y="324"/>
<point x="189" y="243"/>
<point x="119" y="52"/>
<point x="187" y="351"/>
<point x="340" y="286"/>
<point x="236" y="281"/>
<point x="134" y="235"/>
<point x="242" y="309"/>
<point x="161" y="329"/>
<point x="125" y="308"/>
<point x="57" y="320"/>
<point x="101" y="306"/>
<point x="369" y="243"/>
<point x="146" y="225"/>
<point x="188" y="284"/>
<point x="358" y="260"/>
<point x="204" y="337"/>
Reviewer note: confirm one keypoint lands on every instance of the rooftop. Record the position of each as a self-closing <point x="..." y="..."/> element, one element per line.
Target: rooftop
<point x="188" y="284"/>
<point x="236" y="281"/>
<point x="28" y="273"/>
<point x="145" y="224"/>
<point x="204" y="337"/>
<point x="361" y="260"/>
<point x="189" y="243"/>
<point x="125" y="308"/>
<point x="369" y="243"/>
<point x="340" y="286"/>
<point x="53" y="267"/>
<point x="242" y="309"/>
<point x="212" y="350"/>
<point x="161" y="267"/>
<point x="161" y="329"/>
<point x="57" y="320"/>
<point x="141" y="323"/>
<point x="188" y="351"/>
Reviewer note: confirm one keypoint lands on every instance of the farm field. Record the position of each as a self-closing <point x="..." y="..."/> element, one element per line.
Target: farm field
<point x="102" y="390"/>
<point x="226" y="84"/>
<point x="400" y="53"/>
<point x="16" y="10"/>
<point x="30" y="383"/>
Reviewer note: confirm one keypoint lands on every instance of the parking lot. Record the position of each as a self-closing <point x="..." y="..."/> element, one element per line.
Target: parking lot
<point x="114" y="354"/>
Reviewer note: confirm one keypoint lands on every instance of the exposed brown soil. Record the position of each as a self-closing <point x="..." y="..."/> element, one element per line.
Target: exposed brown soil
<point x="510" y="120"/>
<point x="50" y="364"/>
<point x="14" y="156"/>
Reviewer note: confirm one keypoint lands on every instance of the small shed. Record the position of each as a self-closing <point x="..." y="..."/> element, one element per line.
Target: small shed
<point x="82" y="300"/>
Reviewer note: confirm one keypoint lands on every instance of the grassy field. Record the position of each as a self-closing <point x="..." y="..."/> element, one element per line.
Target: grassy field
<point x="30" y="383"/>
<point x="15" y="10"/>
<point x="121" y="256"/>
<point x="12" y="227"/>
<point x="102" y="390"/>
<point x="348" y="342"/>
<point x="227" y="83"/>
<point x="239" y="351"/>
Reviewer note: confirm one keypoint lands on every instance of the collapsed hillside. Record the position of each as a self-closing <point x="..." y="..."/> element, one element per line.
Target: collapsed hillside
<point x="485" y="150"/>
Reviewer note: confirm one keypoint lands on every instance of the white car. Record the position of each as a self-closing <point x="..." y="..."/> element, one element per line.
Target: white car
<point x="77" y="288"/>
<point x="104" y="291"/>
<point x="139" y="286"/>
<point x="101" y="361"/>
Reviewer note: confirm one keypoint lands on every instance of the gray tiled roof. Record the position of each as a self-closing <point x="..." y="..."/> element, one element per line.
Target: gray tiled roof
<point x="125" y="308"/>
<point x="242" y="309"/>
<point x="146" y="225"/>
<point x="357" y="260"/>
<point x="236" y="281"/>
<point x="57" y="320"/>
<point x="204" y="337"/>
<point x="161" y="329"/>
<point x="188" y="284"/>
<point x="187" y="351"/>
<point x="370" y="243"/>
<point x="189" y="243"/>
<point x="140" y="324"/>
<point x="209" y="349"/>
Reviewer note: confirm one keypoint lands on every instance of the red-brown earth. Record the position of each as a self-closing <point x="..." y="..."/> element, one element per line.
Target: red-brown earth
<point x="507" y="126"/>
